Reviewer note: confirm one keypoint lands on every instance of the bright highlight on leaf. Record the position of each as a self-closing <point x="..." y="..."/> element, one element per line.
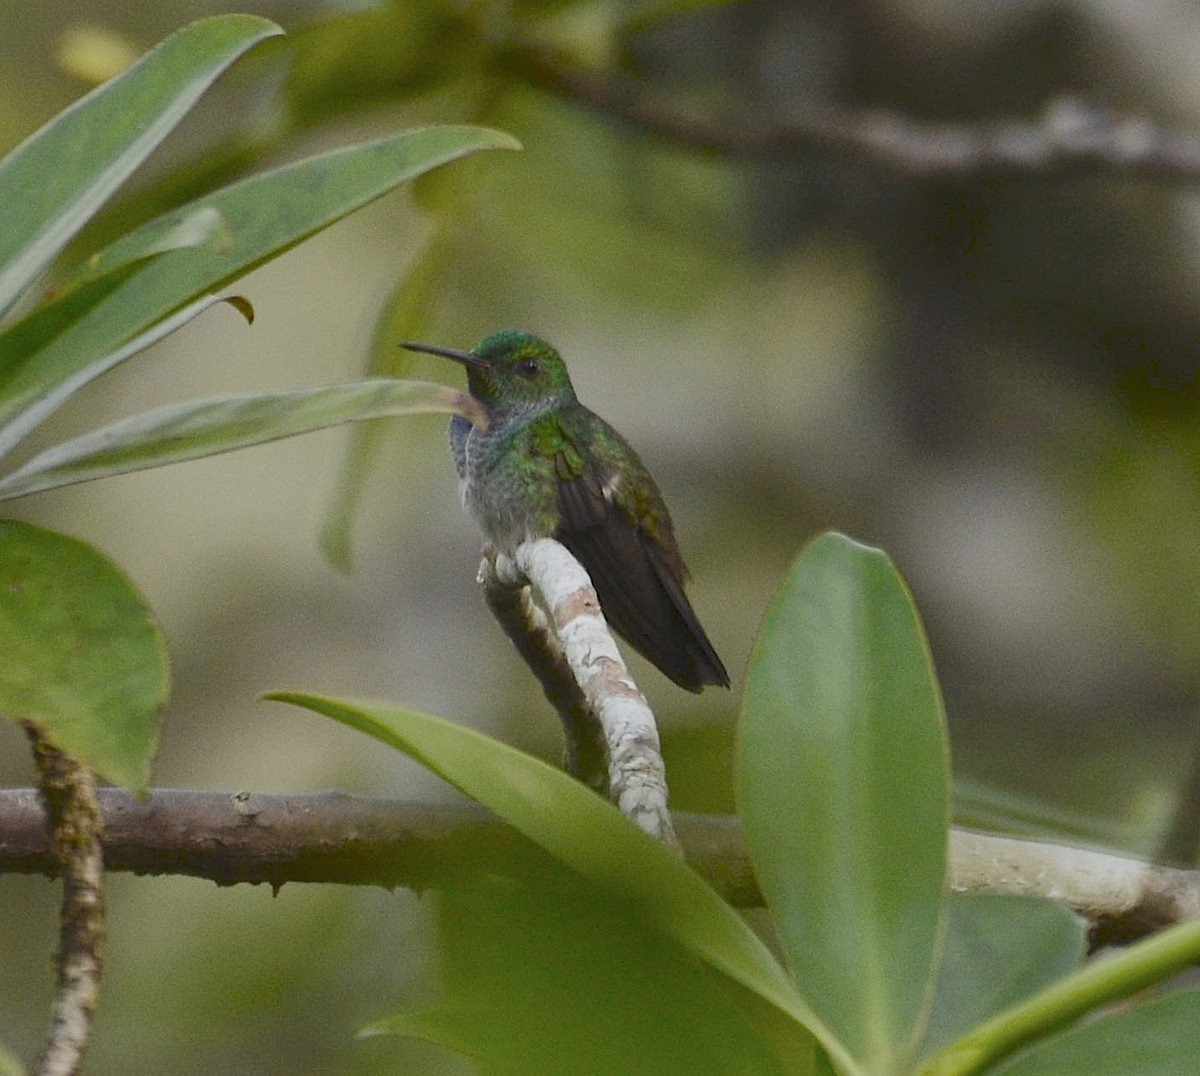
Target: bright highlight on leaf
<point x="9" y="1063"/>
<point x="93" y="54"/>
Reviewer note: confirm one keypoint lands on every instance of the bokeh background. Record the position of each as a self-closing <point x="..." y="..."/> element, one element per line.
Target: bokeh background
<point x="992" y="377"/>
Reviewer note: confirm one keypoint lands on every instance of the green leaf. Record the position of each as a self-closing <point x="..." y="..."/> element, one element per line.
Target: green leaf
<point x="83" y="660"/>
<point x="206" y="427"/>
<point x="843" y="789"/>
<point x="53" y="182"/>
<point x="1156" y="1038"/>
<point x="11" y="434"/>
<point x="542" y="973"/>
<point x="999" y="951"/>
<point x="73" y="302"/>
<point x="585" y="832"/>
<point x="266" y="215"/>
<point x="1097" y="983"/>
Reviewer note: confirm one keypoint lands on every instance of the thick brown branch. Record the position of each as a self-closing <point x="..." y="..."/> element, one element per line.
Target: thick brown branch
<point x="334" y="837"/>
<point x="1071" y="136"/>
<point x="232" y="837"/>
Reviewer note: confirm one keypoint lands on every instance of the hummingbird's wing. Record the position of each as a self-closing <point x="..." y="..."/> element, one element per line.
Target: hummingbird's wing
<point x="638" y="576"/>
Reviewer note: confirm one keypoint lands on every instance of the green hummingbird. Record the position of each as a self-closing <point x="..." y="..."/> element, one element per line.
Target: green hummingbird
<point x="547" y="467"/>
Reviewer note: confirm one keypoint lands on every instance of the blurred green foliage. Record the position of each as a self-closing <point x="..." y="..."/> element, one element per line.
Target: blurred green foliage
<point x="992" y="378"/>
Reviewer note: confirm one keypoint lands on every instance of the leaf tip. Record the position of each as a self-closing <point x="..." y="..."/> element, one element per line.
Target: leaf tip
<point x="334" y="539"/>
<point x="242" y="305"/>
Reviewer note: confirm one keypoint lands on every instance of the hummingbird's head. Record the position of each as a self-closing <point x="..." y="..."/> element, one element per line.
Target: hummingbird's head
<point x="511" y="371"/>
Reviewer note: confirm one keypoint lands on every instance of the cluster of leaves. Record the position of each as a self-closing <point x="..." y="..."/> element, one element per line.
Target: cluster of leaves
<point x="600" y="952"/>
<point x="85" y="662"/>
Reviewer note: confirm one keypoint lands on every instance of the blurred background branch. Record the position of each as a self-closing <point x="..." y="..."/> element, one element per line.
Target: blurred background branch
<point x="1073" y="136"/>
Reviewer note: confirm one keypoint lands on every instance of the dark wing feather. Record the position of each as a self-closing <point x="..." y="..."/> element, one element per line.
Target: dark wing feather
<point x="640" y="589"/>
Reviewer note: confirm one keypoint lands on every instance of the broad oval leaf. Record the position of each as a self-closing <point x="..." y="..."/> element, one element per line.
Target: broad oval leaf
<point x="83" y="659"/>
<point x="265" y="216"/>
<point x="541" y="972"/>
<point x="1097" y="983"/>
<point x="843" y="788"/>
<point x="999" y="951"/>
<point x="53" y="182"/>
<point x="579" y="828"/>
<point x="1155" y="1038"/>
<point x="206" y="427"/>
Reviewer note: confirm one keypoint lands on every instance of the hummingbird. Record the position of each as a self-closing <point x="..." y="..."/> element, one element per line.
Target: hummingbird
<point x="547" y="467"/>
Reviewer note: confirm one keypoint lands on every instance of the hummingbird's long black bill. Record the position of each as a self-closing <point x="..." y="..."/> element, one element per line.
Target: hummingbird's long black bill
<point x="464" y="357"/>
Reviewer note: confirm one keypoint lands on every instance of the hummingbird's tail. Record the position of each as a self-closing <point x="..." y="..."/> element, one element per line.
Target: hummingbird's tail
<point x="645" y="602"/>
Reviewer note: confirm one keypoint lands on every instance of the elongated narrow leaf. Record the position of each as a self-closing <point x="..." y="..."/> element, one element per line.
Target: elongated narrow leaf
<point x="843" y="788"/>
<point x="83" y="660"/>
<point x="73" y="302"/>
<point x="83" y="297"/>
<point x="1000" y="950"/>
<point x="265" y="215"/>
<point x="53" y="182"/>
<point x="1156" y="1038"/>
<point x="203" y="226"/>
<point x="583" y="831"/>
<point x="204" y="428"/>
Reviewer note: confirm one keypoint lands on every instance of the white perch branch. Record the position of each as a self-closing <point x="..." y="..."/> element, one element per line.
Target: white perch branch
<point x="1101" y="886"/>
<point x="561" y="588"/>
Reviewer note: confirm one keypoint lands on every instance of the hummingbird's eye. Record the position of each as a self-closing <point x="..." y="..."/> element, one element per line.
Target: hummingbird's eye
<point x="529" y="368"/>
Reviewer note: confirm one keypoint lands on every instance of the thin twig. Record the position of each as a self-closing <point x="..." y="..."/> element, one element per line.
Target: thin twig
<point x="68" y="791"/>
<point x="333" y="837"/>
<point x="1071" y="136"/>
<point x="561" y="589"/>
